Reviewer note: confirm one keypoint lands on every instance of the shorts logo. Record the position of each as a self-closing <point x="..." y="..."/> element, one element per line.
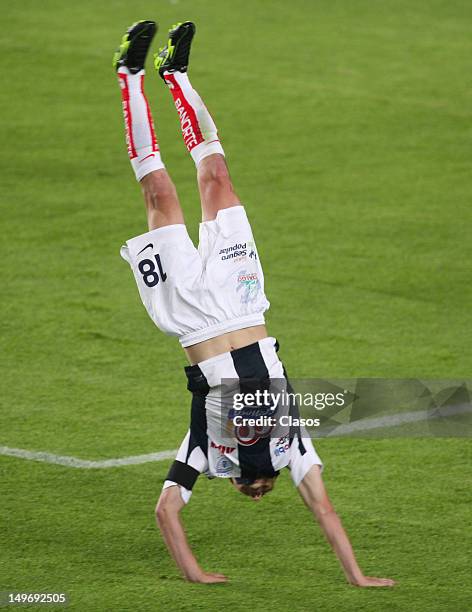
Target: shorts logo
<point x="237" y="251"/>
<point x="223" y="465"/>
<point x="252" y="250"/>
<point x="249" y="285"/>
<point x="146" y="247"/>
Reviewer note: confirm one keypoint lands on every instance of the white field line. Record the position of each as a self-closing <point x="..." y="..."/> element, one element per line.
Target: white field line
<point x="397" y="419"/>
<point x="341" y="430"/>
<point x="84" y="463"/>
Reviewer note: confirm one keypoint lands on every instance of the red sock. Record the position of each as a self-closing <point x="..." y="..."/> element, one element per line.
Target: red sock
<point x="143" y="149"/>
<point x="198" y="128"/>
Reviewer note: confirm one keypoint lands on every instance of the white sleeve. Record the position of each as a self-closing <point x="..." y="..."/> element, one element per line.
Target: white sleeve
<point x="195" y="459"/>
<point x="302" y="457"/>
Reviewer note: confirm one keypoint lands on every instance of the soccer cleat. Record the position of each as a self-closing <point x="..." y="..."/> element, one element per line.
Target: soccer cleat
<point x="134" y="46"/>
<point x="174" y="56"/>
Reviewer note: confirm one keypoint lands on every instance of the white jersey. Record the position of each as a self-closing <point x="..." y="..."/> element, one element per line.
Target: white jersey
<point x="215" y="445"/>
<point x="200" y="294"/>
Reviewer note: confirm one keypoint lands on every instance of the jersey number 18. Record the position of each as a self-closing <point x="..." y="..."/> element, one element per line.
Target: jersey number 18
<point x="151" y="276"/>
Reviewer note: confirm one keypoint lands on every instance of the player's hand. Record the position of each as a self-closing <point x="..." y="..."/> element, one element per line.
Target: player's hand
<point x="207" y="578"/>
<point x="371" y="581"/>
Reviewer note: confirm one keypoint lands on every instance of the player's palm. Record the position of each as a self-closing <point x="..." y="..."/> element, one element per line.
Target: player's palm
<point x="372" y="581"/>
<point x="211" y="578"/>
<point x="207" y="577"/>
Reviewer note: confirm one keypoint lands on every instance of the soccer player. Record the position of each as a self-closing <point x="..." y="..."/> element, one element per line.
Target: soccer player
<point x="213" y="300"/>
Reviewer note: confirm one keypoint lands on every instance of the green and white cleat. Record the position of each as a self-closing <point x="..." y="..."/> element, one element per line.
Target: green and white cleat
<point x="134" y="46"/>
<point x="174" y="56"/>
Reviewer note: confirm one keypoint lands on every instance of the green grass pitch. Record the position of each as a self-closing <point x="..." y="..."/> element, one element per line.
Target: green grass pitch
<point x="347" y="131"/>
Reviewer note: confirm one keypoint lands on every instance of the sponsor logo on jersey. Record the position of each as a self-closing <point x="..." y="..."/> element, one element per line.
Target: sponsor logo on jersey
<point x="247" y="435"/>
<point x="252" y="412"/>
<point x="245" y="430"/>
<point x="225" y="450"/>
<point x="282" y="446"/>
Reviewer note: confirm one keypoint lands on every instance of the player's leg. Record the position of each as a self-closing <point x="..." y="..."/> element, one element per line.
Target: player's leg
<point x="214" y="184"/>
<point x="160" y="195"/>
<point x="198" y="128"/>
<point x="162" y="203"/>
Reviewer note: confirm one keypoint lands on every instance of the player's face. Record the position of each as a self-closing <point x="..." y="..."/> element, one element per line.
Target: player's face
<point x="257" y="489"/>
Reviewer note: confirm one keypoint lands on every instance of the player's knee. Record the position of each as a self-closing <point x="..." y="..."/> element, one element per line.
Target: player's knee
<point x="213" y="172"/>
<point x="157" y="186"/>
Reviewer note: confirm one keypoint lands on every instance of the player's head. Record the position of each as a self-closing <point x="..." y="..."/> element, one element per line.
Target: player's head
<point x="255" y="488"/>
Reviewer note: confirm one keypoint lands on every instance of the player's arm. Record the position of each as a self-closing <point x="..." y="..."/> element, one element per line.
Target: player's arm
<point x="314" y="495"/>
<point x="168" y="519"/>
